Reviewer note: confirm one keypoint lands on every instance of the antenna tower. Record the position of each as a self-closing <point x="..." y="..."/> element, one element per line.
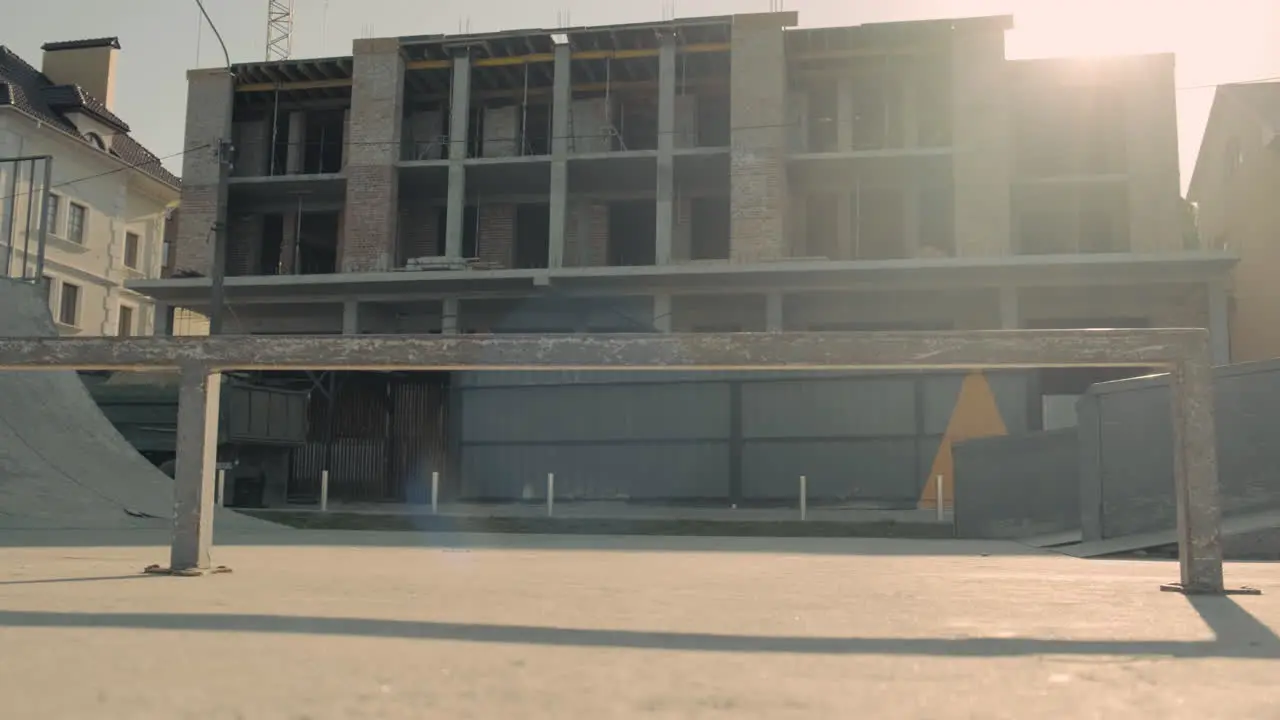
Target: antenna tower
<point x="279" y="29"/>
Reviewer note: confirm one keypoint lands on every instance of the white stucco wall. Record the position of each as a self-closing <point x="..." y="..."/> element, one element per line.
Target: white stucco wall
<point x="118" y="200"/>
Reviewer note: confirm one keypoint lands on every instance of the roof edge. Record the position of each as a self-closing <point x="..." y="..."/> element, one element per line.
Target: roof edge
<point x="111" y="42"/>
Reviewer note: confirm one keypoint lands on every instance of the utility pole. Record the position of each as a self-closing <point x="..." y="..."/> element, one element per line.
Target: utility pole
<point x="218" y="276"/>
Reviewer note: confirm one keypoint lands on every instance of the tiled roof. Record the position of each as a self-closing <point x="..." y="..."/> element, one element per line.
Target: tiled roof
<point x="1263" y="98"/>
<point x="27" y="89"/>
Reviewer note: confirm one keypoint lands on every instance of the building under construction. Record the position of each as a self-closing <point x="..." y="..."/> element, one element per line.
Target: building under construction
<point x="708" y="174"/>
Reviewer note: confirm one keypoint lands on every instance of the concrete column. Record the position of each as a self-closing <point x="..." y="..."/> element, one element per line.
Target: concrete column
<point x="197" y="448"/>
<point x="561" y="107"/>
<point x="1195" y="472"/>
<point x="373" y="181"/>
<point x="983" y="149"/>
<point x="774" y="316"/>
<point x="666" y="148"/>
<point x="209" y="96"/>
<point x="449" y="308"/>
<point x="297" y="149"/>
<point x="459" y="117"/>
<point x="1219" y="322"/>
<point x="844" y="114"/>
<point x="289" y="244"/>
<point x="662" y="313"/>
<point x="1009" y="313"/>
<point x="351" y="317"/>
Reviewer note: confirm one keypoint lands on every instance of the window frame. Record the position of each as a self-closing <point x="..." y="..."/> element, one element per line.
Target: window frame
<point x="137" y="250"/>
<point x="75" y="307"/>
<point x="122" y="311"/>
<point x="53" y="223"/>
<point x="84" y="222"/>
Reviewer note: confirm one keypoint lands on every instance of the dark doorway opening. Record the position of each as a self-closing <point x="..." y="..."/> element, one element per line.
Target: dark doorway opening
<point x="318" y="244"/>
<point x="709" y="223"/>
<point x="323" y="150"/>
<point x="272" y="240"/>
<point x="632" y="226"/>
<point x="536" y="130"/>
<point x="533" y="235"/>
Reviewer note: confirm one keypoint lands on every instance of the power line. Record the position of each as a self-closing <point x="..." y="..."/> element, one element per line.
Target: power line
<point x="132" y="166"/>
<point x="218" y="35"/>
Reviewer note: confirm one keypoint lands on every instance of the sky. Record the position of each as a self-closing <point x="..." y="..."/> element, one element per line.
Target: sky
<point x="1216" y="41"/>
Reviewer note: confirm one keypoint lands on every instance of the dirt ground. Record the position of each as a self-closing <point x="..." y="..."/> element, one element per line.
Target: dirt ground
<point x="458" y="626"/>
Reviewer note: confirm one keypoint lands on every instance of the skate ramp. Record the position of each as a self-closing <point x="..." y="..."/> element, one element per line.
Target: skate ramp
<point x="63" y="466"/>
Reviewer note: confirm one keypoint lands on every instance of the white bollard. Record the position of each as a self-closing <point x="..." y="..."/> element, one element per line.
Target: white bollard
<point x="551" y="494"/>
<point x="222" y="488"/>
<point x="804" y="497"/>
<point x="324" y="491"/>
<point x="941" y="478"/>
<point x="435" y="493"/>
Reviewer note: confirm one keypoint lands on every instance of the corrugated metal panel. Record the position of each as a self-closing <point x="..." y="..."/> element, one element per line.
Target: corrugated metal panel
<point x="829" y="408"/>
<point x="598" y="470"/>
<point x="598" y="413"/>
<point x="855" y="469"/>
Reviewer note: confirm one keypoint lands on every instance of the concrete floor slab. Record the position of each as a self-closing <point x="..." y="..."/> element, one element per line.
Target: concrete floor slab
<point x="372" y="625"/>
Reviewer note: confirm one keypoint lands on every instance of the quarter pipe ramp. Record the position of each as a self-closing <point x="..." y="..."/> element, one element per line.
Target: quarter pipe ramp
<point x="62" y="463"/>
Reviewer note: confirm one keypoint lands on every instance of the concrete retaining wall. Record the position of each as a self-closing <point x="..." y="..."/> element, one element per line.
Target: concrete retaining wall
<point x="1126" y="470"/>
<point x="1017" y="486"/>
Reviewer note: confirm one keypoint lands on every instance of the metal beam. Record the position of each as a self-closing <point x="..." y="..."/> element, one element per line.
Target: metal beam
<point x="1184" y="353"/>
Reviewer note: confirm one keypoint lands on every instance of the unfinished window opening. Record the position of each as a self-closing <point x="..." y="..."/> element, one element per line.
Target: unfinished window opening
<point x="875" y="104"/>
<point x="470" y="231"/>
<point x="1071" y="219"/>
<point x="278" y="162"/>
<point x="318" y="243"/>
<point x="713" y="119"/>
<point x="632" y="227"/>
<point x="937" y="222"/>
<point x="322" y="148"/>
<point x="535" y="130"/>
<point x="423" y="135"/>
<point x="822" y="225"/>
<point x="533" y="235"/>
<point x="824" y="116"/>
<point x="272" y="241"/>
<point x="709" y="224"/>
<point x="1104" y="219"/>
<point x="931" y="96"/>
<point x="879" y="230"/>
<point x="476" y="132"/>
<point x="1061" y="131"/>
<point x="636" y="122"/>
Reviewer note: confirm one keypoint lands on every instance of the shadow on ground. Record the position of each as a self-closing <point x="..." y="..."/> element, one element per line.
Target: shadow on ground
<point x="1237" y="635"/>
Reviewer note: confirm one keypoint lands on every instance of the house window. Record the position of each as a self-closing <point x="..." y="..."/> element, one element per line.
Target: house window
<point x="131" y="250"/>
<point x="69" y="304"/>
<point x="76" y="216"/>
<point x="125" y="323"/>
<point x="48" y="291"/>
<point x="51" y="214"/>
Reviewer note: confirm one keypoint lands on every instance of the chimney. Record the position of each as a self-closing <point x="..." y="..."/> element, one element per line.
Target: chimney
<point x="91" y="64"/>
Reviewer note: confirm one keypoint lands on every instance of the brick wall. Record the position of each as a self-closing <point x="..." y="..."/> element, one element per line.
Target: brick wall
<point x="422" y="134"/>
<point x="758" y="122"/>
<point x="209" y="99"/>
<point x="587" y="237"/>
<point x="501" y="125"/>
<point x="495" y="239"/>
<point x="590" y="122"/>
<point x="244" y="244"/>
<point x="377" y="94"/>
<point x="418" y="231"/>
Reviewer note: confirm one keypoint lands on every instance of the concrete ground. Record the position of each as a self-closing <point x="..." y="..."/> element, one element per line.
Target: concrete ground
<point x="398" y="625"/>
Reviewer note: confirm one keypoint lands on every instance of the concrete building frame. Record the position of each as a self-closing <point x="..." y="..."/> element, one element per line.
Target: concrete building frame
<point x="1184" y="353"/>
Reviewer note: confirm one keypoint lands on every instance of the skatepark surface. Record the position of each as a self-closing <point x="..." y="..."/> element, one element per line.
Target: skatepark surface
<point x="352" y="625"/>
<point x="62" y="464"/>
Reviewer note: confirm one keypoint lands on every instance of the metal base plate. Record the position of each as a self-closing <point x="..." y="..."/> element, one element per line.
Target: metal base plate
<point x="1180" y="588"/>
<point x="187" y="572"/>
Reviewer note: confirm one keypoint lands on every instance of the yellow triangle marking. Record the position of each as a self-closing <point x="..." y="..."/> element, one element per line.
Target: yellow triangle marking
<point x="975" y="415"/>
